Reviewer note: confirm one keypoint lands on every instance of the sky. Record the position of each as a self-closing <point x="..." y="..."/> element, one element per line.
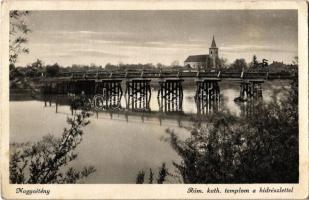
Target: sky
<point x="136" y="36"/>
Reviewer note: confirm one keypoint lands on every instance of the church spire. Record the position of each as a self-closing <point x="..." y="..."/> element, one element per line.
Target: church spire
<point x="213" y="44"/>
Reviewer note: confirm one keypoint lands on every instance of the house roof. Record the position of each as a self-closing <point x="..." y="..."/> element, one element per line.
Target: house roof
<point x="197" y="58"/>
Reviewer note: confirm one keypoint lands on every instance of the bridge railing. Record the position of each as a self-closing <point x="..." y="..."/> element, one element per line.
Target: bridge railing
<point x="139" y="74"/>
<point x="168" y="73"/>
<point x="230" y="75"/>
<point x="253" y="75"/>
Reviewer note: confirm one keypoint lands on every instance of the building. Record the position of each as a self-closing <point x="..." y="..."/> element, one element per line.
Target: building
<point x="204" y="61"/>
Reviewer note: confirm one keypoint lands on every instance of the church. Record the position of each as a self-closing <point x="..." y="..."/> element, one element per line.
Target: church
<point x="205" y="61"/>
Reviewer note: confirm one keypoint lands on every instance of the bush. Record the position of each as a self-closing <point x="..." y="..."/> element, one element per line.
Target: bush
<point x="45" y="162"/>
<point x="162" y="174"/>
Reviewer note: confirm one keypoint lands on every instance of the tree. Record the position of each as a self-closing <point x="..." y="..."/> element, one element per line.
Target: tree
<point x="295" y="60"/>
<point x="12" y="67"/>
<point x="15" y="72"/>
<point x="294" y="66"/>
<point x="159" y="65"/>
<point x="18" y="32"/>
<point x="31" y="71"/>
<point x="46" y="161"/>
<point x="35" y="69"/>
<point x="162" y="174"/>
<point x="239" y="65"/>
<point x="222" y="63"/>
<point x="150" y="176"/>
<point x="254" y="60"/>
<point x="254" y="63"/>
<point x="109" y="66"/>
<point x="140" y="177"/>
<point x="262" y="148"/>
<point x="175" y="63"/>
<point x="52" y="70"/>
<point x="38" y="64"/>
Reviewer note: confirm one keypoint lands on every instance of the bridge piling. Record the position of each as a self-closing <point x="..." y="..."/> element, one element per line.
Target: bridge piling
<point x="108" y="94"/>
<point x="170" y="95"/>
<point x="138" y="95"/>
<point x="207" y="96"/>
<point x="251" y="89"/>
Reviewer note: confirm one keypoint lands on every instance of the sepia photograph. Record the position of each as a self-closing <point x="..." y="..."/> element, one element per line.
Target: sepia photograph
<point x="154" y="96"/>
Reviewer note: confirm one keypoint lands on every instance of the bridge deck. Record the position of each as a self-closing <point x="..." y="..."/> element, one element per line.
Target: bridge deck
<point x="168" y="74"/>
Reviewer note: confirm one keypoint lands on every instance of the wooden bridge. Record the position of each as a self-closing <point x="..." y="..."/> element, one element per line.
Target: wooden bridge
<point x="106" y="88"/>
<point x="168" y="74"/>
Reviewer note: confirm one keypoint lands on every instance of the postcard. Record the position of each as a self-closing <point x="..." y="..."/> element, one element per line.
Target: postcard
<point x="154" y="99"/>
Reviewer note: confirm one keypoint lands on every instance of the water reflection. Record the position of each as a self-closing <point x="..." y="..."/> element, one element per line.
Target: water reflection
<point x="205" y="107"/>
<point x="207" y="97"/>
<point x="249" y="108"/>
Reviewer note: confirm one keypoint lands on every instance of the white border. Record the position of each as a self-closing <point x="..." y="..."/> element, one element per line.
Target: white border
<point x="170" y="191"/>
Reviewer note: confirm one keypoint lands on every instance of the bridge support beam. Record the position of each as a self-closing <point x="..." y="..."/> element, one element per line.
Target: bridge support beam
<point x="251" y="90"/>
<point x="138" y="94"/>
<point x="86" y="86"/>
<point x="50" y="88"/>
<point x="63" y="87"/>
<point x="108" y="94"/>
<point x="71" y="86"/>
<point x="170" y="95"/>
<point x="207" y="96"/>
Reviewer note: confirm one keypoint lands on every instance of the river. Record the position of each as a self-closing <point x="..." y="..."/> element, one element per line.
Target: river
<point x="118" y="146"/>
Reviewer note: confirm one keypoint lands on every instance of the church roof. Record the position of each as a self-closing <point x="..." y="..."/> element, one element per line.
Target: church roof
<point x="197" y="58"/>
<point x="213" y="44"/>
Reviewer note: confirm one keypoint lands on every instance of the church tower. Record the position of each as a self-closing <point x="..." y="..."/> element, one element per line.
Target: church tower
<point x="213" y="53"/>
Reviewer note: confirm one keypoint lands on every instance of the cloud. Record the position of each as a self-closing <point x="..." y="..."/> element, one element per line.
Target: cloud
<point x="82" y="36"/>
<point x="82" y="32"/>
<point x="58" y="55"/>
<point x="163" y="45"/>
<point x="83" y="46"/>
<point x="95" y="53"/>
<point x="255" y="48"/>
